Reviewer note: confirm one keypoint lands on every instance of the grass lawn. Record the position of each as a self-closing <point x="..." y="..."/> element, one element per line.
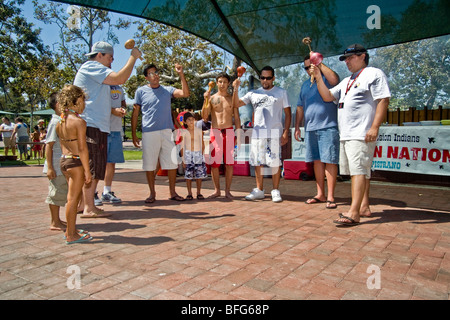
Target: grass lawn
<point x="128" y="154"/>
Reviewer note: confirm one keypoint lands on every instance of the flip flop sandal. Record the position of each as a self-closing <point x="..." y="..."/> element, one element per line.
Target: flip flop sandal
<point x="95" y="215"/>
<point x="177" y="198"/>
<point x="150" y="200"/>
<point x="82" y="239"/>
<point x="189" y="197"/>
<point x="200" y="197"/>
<point x="315" y="201"/>
<point x="331" y="205"/>
<point x="351" y="223"/>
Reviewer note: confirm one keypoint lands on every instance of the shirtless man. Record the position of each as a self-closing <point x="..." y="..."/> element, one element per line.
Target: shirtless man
<point x="220" y="107"/>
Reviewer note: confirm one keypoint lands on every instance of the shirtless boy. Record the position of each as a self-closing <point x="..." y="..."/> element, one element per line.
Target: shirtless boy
<point x="220" y="107"/>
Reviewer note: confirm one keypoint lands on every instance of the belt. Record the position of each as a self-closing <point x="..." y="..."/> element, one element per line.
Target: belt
<point x="65" y="156"/>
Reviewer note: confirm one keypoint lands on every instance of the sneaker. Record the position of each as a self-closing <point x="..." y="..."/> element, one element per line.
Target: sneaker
<point x="256" y="194"/>
<point x="276" y="197"/>
<point x="110" y="198"/>
<point x="97" y="201"/>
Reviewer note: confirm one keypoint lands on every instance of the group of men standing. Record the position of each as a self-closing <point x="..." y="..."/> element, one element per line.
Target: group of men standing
<point x="341" y="125"/>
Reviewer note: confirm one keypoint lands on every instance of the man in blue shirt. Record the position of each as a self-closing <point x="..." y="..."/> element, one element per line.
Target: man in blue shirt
<point x="95" y="77"/>
<point x="321" y="133"/>
<point x="154" y="101"/>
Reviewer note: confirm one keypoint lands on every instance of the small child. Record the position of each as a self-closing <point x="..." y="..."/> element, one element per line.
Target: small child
<point x="75" y="158"/>
<point x="36" y="137"/>
<point x="192" y="149"/>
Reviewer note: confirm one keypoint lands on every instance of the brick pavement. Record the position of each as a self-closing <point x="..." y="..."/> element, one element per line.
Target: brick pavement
<point x="219" y="249"/>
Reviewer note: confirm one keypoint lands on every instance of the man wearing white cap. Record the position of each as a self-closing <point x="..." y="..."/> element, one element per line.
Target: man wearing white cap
<point x="363" y="99"/>
<point x="96" y="76"/>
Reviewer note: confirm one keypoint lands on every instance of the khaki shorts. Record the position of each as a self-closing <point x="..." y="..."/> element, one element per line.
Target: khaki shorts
<point x="57" y="191"/>
<point x="9" y="143"/>
<point x="355" y="157"/>
<point x="159" y="145"/>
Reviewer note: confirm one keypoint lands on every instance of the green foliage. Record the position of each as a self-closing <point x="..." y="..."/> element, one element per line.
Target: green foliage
<point x="164" y="46"/>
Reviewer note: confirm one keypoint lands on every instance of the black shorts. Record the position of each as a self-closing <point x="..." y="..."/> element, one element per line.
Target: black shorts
<point x="97" y="143"/>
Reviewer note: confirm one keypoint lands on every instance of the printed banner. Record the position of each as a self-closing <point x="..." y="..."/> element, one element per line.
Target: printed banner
<point x="415" y="149"/>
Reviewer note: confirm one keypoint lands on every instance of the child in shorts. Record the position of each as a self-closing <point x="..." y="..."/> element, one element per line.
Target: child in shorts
<point x="192" y="148"/>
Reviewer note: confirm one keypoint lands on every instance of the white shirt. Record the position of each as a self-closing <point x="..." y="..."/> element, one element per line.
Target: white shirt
<point x="360" y="103"/>
<point x="268" y="110"/>
<point x="10" y="127"/>
<point x="117" y="96"/>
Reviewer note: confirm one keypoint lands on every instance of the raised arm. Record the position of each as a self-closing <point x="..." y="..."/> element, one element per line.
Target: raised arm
<point x="323" y="90"/>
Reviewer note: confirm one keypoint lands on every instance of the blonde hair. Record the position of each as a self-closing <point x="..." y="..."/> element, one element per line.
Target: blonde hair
<point x="68" y="97"/>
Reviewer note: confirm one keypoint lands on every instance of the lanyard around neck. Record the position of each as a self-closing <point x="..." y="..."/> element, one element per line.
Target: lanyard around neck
<point x="351" y="85"/>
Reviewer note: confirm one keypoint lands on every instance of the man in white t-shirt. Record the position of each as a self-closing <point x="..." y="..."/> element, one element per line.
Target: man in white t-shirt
<point x="7" y="128"/>
<point x="363" y="99"/>
<point x="95" y="77"/>
<point x="268" y="135"/>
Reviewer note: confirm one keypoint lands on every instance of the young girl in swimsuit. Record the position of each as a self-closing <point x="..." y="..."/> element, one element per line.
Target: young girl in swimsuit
<point x="75" y="159"/>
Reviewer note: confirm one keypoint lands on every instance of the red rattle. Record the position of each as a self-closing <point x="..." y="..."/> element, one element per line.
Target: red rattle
<point x="315" y="57"/>
<point x="240" y="71"/>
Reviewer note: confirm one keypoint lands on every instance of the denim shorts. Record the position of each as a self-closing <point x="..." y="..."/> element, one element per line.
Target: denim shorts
<point x="323" y="145"/>
<point x="115" y="148"/>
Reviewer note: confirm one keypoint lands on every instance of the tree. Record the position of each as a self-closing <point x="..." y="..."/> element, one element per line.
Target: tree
<point x="76" y="38"/>
<point x="418" y="71"/>
<point x="20" y="48"/>
<point x="164" y="46"/>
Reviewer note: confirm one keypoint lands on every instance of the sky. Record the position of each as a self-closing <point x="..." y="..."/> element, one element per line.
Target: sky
<point x="49" y="34"/>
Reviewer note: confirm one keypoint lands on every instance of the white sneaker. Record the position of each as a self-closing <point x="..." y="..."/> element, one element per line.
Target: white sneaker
<point x="256" y="194"/>
<point x="110" y="197"/>
<point x="98" y="202"/>
<point x="276" y="197"/>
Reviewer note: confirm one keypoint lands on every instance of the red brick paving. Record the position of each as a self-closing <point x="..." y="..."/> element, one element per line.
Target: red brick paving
<point x="219" y="249"/>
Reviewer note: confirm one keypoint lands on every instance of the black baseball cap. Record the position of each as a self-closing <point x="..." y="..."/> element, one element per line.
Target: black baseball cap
<point x="351" y="50"/>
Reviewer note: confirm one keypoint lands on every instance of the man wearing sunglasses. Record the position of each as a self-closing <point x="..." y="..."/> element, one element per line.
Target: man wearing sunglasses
<point x="321" y="133"/>
<point x="363" y="99"/>
<point x="268" y="135"/>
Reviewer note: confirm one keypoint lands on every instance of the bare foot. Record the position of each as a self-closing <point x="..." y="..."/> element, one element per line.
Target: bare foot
<point x="228" y="195"/>
<point x="214" y="195"/>
<point x="365" y="212"/>
<point x="60" y="226"/>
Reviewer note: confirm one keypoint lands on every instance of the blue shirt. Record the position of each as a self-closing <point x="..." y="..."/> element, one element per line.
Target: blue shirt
<point x="155" y="107"/>
<point x="317" y="113"/>
<point x="90" y="77"/>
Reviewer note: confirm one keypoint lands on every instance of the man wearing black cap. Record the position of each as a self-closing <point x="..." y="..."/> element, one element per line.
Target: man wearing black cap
<point x="363" y="99"/>
<point x="95" y="77"/>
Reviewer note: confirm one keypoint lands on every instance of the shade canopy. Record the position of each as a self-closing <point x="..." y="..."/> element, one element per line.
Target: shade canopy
<point x="270" y="32"/>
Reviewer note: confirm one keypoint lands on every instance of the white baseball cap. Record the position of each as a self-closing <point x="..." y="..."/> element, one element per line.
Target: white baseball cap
<point x="101" y="47"/>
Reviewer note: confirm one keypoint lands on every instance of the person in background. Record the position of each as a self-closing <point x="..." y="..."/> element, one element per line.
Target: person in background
<point x="21" y="133"/>
<point x="36" y="137"/>
<point x="7" y="128"/>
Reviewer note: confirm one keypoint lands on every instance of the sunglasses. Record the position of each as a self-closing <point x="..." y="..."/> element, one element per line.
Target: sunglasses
<point x="354" y="50"/>
<point x="153" y="73"/>
<point x="307" y="68"/>
<point x="266" y="78"/>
